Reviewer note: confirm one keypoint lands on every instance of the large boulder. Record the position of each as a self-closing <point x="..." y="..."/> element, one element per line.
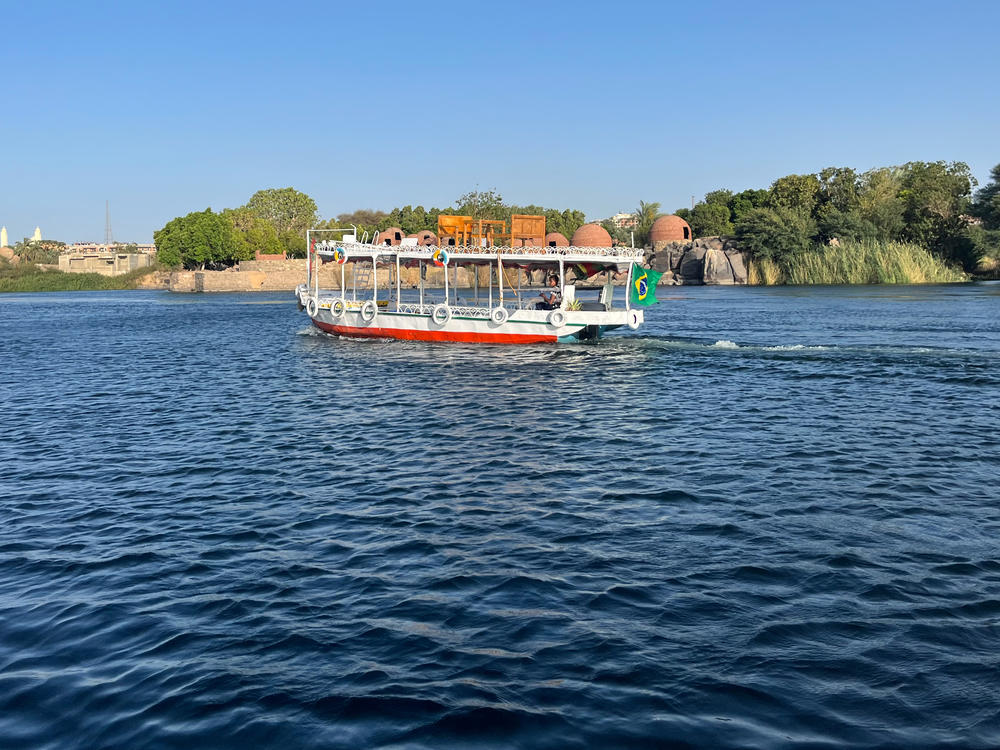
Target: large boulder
<point x="692" y="266"/>
<point x="717" y="268"/>
<point x="739" y="267"/>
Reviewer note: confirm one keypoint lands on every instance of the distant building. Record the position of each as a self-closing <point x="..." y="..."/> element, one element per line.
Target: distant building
<point x="99" y="259"/>
<point x="624" y="221"/>
<point x="37" y="236"/>
<point x="3" y="236"/>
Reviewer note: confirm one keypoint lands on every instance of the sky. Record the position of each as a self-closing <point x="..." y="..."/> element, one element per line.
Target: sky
<point x="167" y="108"/>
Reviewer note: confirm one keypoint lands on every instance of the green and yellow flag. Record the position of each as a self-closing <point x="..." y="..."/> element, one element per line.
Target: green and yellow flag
<point x="643" y="290"/>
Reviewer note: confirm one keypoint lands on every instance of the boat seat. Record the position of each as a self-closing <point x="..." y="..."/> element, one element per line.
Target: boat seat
<point x="593" y="306"/>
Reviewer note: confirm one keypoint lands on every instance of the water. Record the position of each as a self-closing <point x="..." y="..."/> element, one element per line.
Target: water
<point x="770" y="519"/>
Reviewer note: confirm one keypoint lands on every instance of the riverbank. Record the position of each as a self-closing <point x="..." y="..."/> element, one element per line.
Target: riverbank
<point x="27" y="277"/>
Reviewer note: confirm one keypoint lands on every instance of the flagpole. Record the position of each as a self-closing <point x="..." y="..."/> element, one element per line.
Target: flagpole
<point x="628" y="287"/>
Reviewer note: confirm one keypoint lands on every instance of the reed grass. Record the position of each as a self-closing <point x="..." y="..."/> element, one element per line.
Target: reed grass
<point x="26" y="277"/>
<point x="857" y="263"/>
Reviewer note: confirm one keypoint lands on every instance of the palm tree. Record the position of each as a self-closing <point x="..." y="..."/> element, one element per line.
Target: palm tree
<point x="645" y="215"/>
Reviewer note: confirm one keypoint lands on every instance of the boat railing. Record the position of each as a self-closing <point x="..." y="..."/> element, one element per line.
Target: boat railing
<point x="536" y="253"/>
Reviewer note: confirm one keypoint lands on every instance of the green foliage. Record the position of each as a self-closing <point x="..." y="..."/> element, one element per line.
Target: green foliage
<point x="795" y="191"/>
<point x="743" y="203"/>
<point x="777" y="234"/>
<point x="199" y="239"/>
<point x="482" y="204"/>
<point x="286" y="209"/>
<point x="987" y="203"/>
<point x="27" y="277"/>
<point x="645" y="215"/>
<point x="565" y="222"/>
<point x="252" y="233"/>
<point x="719" y="197"/>
<point x="38" y="251"/>
<point x="711" y="219"/>
<point x="934" y="196"/>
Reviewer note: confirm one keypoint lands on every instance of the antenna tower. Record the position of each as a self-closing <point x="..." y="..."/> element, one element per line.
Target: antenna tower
<point x="108" y="237"/>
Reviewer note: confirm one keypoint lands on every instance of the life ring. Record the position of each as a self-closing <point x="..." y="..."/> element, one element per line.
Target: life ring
<point x="338" y="307"/>
<point x="632" y="319"/>
<point x="441" y="314"/>
<point x="499" y="315"/>
<point x="369" y="310"/>
<point x="557" y="318"/>
<point x="440" y="257"/>
<point x="340" y="255"/>
<point x="312" y="307"/>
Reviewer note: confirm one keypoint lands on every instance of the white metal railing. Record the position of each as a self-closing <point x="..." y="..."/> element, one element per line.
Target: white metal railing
<point x="463" y="310"/>
<point x="535" y="253"/>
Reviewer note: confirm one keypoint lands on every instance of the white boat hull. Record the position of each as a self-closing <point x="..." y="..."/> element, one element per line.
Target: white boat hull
<point x="469" y="325"/>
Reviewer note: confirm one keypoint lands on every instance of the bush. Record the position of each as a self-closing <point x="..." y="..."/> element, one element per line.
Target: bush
<point x="777" y="234"/>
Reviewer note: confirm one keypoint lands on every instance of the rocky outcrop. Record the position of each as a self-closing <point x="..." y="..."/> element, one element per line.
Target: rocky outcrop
<point x="709" y="260"/>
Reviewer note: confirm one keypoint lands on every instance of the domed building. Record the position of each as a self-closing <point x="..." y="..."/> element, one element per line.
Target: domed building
<point x="591" y="235"/>
<point x="556" y="239"/>
<point x="670" y="229"/>
<point x="426" y="237"/>
<point x="391" y="236"/>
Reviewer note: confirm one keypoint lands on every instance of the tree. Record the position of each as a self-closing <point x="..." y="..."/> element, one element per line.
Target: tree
<point x="710" y="219"/>
<point x="38" y="251"/>
<point x="935" y="195"/>
<point x="987" y="203"/>
<point x="878" y="202"/>
<point x="196" y="240"/>
<point x="286" y="209"/>
<point x="252" y="233"/>
<point x="720" y="197"/>
<point x="486" y="204"/>
<point x="794" y="191"/>
<point x="838" y="187"/>
<point x="645" y="215"/>
<point x="742" y="203"/>
<point x="776" y="233"/>
<point x="565" y="222"/>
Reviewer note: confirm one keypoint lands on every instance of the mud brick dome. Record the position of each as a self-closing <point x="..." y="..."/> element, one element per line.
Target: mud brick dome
<point x="391" y="236"/>
<point x="591" y="235"/>
<point x="556" y="239"/>
<point x="670" y="229"/>
<point x="426" y="237"/>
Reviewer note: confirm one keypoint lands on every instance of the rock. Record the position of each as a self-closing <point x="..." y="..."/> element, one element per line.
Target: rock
<point x="692" y="265"/>
<point x="739" y="267"/>
<point x="717" y="268"/>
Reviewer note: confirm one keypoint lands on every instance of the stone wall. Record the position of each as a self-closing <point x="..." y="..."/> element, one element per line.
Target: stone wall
<point x="285" y="275"/>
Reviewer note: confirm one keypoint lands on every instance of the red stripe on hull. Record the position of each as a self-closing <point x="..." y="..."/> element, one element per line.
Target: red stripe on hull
<point x="465" y="337"/>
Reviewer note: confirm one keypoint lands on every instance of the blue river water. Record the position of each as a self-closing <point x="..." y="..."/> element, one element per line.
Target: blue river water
<point x="769" y="518"/>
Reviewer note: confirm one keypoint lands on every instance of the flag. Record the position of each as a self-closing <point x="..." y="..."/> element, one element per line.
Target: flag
<point x="643" y="290"/>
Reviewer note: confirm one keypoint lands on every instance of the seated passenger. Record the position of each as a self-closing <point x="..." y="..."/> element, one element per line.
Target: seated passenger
<point x="552" y="299"/>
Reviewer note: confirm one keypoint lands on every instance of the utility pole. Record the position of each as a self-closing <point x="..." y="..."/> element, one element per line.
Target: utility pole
<point x="108" y="237"/>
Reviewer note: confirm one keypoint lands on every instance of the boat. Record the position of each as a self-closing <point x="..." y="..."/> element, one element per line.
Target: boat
<point x="473" y="285"/>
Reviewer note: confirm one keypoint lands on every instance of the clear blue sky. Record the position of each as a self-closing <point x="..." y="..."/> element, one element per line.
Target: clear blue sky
<point x="166" y="108"/>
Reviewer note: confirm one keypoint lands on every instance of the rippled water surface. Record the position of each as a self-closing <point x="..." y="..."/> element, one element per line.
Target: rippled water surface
<point x="771" y="518"/>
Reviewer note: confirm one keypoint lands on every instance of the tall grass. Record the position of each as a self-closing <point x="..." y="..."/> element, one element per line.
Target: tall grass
<point x="857" y="263"/>
<point x="26" y="277"/>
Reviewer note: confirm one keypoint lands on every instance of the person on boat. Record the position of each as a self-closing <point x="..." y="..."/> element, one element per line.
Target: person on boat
<point x="549" y="300"/>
